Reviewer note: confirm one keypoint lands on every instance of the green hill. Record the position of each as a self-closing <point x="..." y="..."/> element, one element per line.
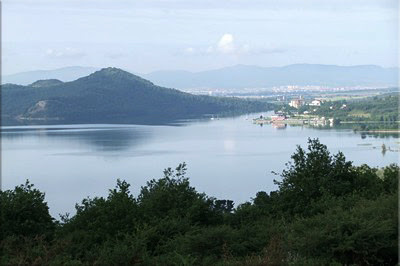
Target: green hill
<point x="110" y="95"/>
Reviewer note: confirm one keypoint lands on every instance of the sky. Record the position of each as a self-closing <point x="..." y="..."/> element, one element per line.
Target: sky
<point x="195" y="35"/>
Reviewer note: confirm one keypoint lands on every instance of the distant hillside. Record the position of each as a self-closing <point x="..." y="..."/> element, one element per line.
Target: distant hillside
<point x="110" y="95"/>
<point x="242" y="76"/>
<point x="63" y="74"/>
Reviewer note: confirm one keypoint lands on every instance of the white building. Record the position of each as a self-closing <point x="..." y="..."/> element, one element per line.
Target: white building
<point x="297" y="103"/>
<point x="315" y="103"/>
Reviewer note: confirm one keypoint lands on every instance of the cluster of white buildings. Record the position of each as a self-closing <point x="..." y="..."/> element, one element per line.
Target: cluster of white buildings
<point x="315" y="103"/>
<point x="297" y="103"/>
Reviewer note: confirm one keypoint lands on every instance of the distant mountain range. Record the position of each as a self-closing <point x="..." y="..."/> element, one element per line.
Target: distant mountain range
<point x="63" y="74"/>
<point x="239" y="76"/>
<point x="110" y="95"/>
<point x="242" y="76"/>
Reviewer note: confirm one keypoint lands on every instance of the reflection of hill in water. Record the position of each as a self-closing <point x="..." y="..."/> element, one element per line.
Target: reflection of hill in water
<point x="378" y="135"/>
<point x="101" y="139"/>
<point x="106" y="139"/>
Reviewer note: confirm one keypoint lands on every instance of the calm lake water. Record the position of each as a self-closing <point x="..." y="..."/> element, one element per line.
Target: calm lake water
<point x="228" y="158"/>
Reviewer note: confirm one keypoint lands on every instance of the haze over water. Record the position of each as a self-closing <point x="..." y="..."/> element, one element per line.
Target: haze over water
<point x="228" y="158"/>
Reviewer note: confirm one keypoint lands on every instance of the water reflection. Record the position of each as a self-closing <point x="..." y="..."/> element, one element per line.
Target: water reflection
<point x="279" y="125"/>
<point x="381" y="135"/>
<point x="100" y="139"/>
<point x="384" y="134"/>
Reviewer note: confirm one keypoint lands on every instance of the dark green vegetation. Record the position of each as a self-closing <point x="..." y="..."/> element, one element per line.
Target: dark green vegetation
<point x="372" y="113"/>
<point x="110" y="96"/>
<point x="325" y="211"/>
<point x="383" y="108"/>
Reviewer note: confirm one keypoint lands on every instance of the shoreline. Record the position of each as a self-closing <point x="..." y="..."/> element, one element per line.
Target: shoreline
<point x="378" y="131"/>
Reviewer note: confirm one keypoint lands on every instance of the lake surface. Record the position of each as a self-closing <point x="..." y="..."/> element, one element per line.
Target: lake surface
<point x="228" y="158"/>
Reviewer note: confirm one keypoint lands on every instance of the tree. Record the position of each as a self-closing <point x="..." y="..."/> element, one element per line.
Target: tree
<point x="391" y="178"/>
<point x="365" y="234"/>
<point x="311" y="174"/>
<point x="23" y="212"/>
<point x="172" y="196"/>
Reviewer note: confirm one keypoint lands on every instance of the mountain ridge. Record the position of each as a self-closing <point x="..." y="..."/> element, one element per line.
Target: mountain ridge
<point x="64" y="74"/>
<point x="250" y="76"/>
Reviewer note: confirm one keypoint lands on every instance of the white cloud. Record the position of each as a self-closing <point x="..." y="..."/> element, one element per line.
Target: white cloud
<point x="226" y="44"/>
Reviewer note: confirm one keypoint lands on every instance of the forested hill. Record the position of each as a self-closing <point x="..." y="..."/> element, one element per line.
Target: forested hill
<point x="110" y="95"/>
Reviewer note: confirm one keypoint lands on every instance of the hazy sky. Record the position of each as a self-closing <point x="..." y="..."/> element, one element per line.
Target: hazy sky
<point x="149" y="35"/>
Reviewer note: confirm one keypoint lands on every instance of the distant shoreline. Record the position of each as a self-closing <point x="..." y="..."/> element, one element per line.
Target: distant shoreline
<point x="379" y="131"/>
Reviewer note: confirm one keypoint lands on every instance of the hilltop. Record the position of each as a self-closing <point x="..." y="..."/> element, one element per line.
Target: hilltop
<point x="46" y="83"/>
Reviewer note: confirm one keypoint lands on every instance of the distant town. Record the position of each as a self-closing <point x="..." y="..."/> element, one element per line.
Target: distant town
<point x="294" y="117"/>
<point x="281" y="91"/>
<point x="361" y="109"/>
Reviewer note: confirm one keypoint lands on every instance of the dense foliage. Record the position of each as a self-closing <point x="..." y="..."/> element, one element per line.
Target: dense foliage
<point x="111" y="96"/>
<point x="325" y="211"/>
<point x="383" y="109"/>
